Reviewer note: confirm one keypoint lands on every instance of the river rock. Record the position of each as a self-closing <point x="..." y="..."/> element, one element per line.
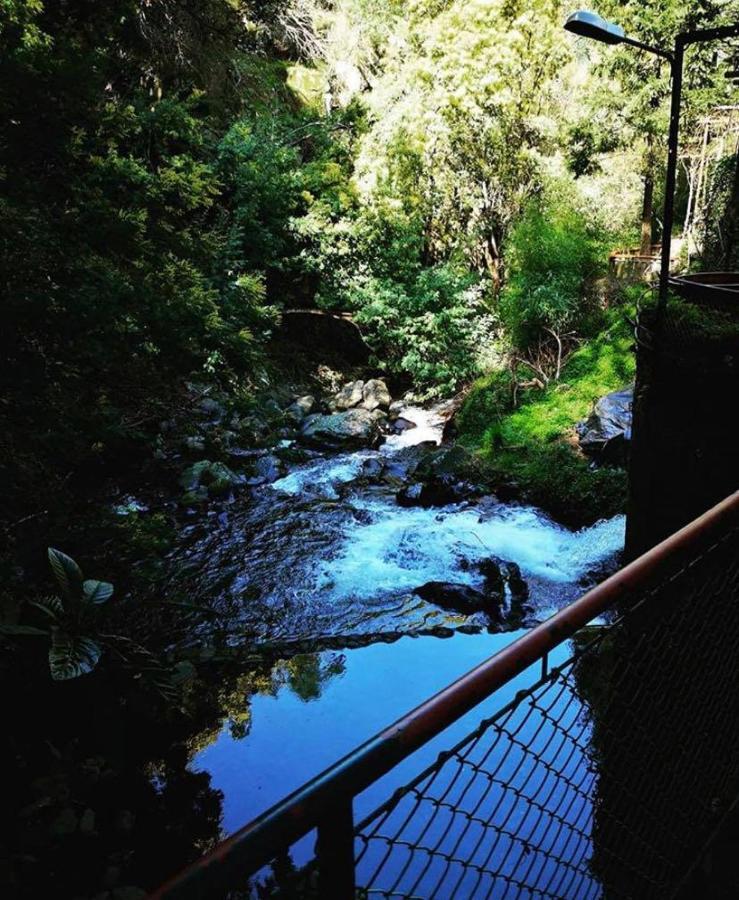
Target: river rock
<point x="300" y="408"/>
<point x="194" y="443"/>
<point x="245" y="454"/>
<point x="515" y="581"/>
<point x="212" y="409"/>
<point x="400" y="425"/>
<point x="213" y="479"/>
<point x="410" y="495"/>
<point x="372" y="467"/>
<point x="350" y="395"/>
<point x="459" y="598"/>
<point x="348" y="430"/>
<point x="500" y="574"/>
<point x="437" y="490"/>
<point x="266" y="470"/>
<point x="375" y="394"/>
<point x="491" y="571"/>
<point x="396" y="408"/>
<point x="606" y="433"/>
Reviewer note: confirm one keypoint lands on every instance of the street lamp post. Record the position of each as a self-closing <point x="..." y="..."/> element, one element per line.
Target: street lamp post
<point x="678" y="462"/>
<point x="591" y="25"/>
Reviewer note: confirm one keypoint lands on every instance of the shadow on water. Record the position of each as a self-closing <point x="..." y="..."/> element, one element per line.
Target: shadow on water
<point x="103" y="801"/>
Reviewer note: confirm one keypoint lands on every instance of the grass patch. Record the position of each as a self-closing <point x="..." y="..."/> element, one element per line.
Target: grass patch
<point x="529" y="444"/>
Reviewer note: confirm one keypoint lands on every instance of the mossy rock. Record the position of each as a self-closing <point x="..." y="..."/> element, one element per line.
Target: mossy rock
<point x="453" y="462"/>
<point x="194" y="498"/>
<point x="206" y="478"/>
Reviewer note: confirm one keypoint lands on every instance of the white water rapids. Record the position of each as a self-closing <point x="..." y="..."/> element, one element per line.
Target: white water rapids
<point x="385" y="548"/>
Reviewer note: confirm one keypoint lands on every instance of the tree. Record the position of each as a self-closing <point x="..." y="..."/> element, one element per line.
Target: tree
<point x="118" y="278"/>
<point x="458" y="120"/>
<point x="640" y="106"/>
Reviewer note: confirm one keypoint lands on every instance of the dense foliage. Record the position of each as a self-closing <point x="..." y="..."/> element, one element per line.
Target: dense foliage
<point x="554" y="255"/>
<point x="175" y="174"/>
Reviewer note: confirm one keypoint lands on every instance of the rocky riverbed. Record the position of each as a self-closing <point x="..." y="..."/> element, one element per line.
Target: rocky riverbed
<point x="362" y="526"/>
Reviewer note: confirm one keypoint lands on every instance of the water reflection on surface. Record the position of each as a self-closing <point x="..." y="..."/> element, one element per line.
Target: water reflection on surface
<point x="293" y="738"/>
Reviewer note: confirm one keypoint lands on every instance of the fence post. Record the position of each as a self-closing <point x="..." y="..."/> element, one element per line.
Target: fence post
<point x="335" y="852"/>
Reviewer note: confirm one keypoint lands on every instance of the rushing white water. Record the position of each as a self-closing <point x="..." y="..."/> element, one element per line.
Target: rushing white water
<point x="429" y="427"/>
<point x="400" y="549"/>
<point x="323" y="476"/>
<point x="388" y="550"/>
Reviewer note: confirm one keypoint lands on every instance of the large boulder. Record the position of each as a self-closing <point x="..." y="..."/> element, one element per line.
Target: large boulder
<point x="375" y="394"/>
<point x="348" y="430"/>
<point x="460" y="598"/>
<point x="606" y="433"/>
<point x="350" y="395"/>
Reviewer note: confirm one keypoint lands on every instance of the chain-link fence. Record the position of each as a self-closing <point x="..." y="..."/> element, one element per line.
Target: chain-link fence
<point x="605" y="778"/>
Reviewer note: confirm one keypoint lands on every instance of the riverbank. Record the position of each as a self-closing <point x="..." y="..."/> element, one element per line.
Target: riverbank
<point x="532" y="442"/>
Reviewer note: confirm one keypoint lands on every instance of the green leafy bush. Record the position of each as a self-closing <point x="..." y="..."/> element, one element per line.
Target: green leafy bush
<point x="553" y="254"/>
<point x="429" y="329"/>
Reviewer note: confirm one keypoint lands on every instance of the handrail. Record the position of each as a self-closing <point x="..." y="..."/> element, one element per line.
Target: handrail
<point x="326" y="801"/>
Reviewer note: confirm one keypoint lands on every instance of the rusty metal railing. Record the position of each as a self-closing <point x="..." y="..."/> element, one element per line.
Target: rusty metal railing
<point x="532" y="800"/>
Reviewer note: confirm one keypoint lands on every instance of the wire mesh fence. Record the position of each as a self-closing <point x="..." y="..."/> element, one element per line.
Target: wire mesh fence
<point x="605" y="778"/>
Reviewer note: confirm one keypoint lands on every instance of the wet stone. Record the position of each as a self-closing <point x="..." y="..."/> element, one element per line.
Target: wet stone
<point x="401" y="425"/>
<point x="459" y="598"/>
<point x="350" y="395"/>
<point x="375" y="394"/>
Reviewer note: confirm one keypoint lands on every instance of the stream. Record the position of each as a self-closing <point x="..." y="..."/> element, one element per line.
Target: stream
<point x="320" y="566"/>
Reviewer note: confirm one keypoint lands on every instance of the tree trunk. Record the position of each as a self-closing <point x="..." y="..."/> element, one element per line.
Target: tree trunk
<point x="646" y="216"/>
<point x="492" y="262"/>
<point x="731" y="225"/>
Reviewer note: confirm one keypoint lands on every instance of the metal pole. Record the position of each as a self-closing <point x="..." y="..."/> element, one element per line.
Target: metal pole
<point x="658" y="51"/>
<point x="335" y="852"/>
<point x="672" y="150"/>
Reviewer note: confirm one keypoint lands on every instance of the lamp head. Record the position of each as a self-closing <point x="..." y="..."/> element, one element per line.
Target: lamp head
<point x="591" y="25"/>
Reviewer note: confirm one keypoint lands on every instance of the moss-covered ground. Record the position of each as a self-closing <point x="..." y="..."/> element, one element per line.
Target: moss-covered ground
<point x="532" y="444"/>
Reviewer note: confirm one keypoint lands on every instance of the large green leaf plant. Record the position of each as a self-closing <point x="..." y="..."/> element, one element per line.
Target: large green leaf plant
<point x="73" y="629"/>
<point x="77" y="634"/>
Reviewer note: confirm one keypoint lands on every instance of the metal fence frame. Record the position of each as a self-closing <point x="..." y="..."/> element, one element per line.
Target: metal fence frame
<point x="326" y="803"/>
